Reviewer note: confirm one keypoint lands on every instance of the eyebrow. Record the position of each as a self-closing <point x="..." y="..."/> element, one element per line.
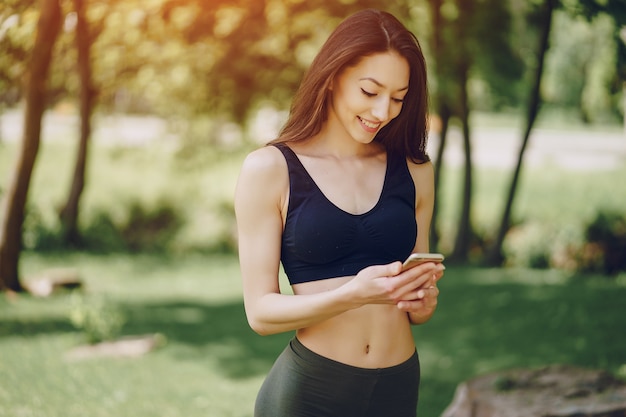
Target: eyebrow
<point x="378" y="83"/>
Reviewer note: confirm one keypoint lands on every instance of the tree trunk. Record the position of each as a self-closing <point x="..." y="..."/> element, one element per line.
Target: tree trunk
<point x="69" y="213"/>
<point x="495" y="256"/>
<point x="444" y="115"/>
<point x="549" y="391"/>
<point x="443" y="111"/>
<point x="465" y="231"/>
<point x="14" y="200"/>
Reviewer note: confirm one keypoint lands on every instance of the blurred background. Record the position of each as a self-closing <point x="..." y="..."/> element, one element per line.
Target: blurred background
<point x="123" y="125"/>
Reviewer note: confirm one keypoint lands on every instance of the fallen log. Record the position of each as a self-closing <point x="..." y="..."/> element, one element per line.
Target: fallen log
<point x="551" y="391"/>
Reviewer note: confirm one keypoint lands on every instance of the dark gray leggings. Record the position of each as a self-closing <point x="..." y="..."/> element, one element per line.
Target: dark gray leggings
<point x="304" y="384"/>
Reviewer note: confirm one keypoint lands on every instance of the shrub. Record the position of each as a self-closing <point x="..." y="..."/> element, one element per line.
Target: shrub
<point x="141" y="228"/>
<point x="529" y="245"/>
<point x="37" y="234"/>
<point x="150" y="229"/>
<point x="102" y="235"/>
<point x="98" y="319"/>
<point x="604" y="249"/>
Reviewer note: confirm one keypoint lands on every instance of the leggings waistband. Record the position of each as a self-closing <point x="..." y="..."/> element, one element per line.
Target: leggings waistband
<point x="318" y="360"/>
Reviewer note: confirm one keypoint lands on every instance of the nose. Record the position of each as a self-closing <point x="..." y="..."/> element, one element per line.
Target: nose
<point x="381" y="109"/>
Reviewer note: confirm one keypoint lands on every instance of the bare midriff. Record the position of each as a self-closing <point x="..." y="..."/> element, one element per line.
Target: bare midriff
<point x="371" y="336"/>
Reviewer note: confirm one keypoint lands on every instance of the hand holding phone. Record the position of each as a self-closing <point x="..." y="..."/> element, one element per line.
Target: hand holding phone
<point x="415" y="259"/>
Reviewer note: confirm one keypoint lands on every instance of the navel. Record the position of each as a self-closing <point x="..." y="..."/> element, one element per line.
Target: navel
<point x="367" y="349"/>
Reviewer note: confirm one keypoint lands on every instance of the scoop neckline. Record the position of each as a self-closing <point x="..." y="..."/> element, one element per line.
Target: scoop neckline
<point x="319" y="190"/>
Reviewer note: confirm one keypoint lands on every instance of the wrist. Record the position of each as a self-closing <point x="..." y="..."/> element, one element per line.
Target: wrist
<point x="417" y="318"/>
<point x="346" y="297"/>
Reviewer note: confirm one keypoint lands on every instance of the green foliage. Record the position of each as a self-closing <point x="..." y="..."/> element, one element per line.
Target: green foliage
<point x="143" y="227"/>
<point x="102" y="235"/>
<point x="530" y="245"/>
<point x="17" y="25"/>
<point x="150" y="228"/>
<point x="37" y="233"/>
<point x="182" y="58"/>
<point x="605" y="247"/>
<point x="97" y="318"/>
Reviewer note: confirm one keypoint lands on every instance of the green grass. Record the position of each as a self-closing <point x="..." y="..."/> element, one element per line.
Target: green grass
<point x="199" y="186"/>
<point x="213" y="364"/>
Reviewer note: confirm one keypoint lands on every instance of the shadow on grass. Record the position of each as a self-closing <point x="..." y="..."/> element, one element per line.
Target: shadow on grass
<point x="483" y="328"/>
<point x="479" y="327"/>
<point x="33" y="326"/>
<point x="218" y="330"/>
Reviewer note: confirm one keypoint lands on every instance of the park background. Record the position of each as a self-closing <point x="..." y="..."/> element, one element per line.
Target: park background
<point x="147" y="109"/>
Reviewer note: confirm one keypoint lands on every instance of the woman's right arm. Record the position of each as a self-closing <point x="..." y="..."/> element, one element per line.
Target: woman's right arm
<point x="260" y="198"/>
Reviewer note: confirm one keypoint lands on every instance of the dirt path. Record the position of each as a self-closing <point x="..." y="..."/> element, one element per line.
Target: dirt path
<point x="591" y="149"/>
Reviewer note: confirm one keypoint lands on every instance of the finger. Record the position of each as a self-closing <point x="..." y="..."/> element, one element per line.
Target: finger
<point x="439" y="272"/>
<point x="425" y="292"/>
<point x="428" y="302"/>
<point x="413" y="306"/>
<point x="388" y="270"/>
<point x="410" y="305"/>
<point x="416" y="277"/>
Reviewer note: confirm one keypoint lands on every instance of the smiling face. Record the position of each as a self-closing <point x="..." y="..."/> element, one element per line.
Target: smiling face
<point x="367" y="96"/>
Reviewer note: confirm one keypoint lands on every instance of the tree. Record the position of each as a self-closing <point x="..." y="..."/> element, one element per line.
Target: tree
<point x="470" y="40"/>
<point x="495" y="256"/>
<point x="260" y="48"/>
<point x="69" y="213"/>
<point x="588" y="9"/>
<point x="12" y="52"/>
<point x="14" y="201"/>
<point x="465" y="230"/>
<point x="442" y="106"/>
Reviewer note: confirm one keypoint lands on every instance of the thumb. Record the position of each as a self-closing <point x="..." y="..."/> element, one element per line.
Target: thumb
<point x="391" y="269"/>
<point x="387" y="270"/>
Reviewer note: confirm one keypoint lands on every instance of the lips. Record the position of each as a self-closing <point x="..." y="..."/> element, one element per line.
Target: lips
<point x="369" y="126"/>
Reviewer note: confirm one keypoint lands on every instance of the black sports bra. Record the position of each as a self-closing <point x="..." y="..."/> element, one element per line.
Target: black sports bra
<point x="322" y="241"/>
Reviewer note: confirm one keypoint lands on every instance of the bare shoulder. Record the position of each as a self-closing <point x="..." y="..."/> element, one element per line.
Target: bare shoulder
<point x="423" y="174"/>
<point x="264" y="161"/>
<point x="265" y="167"/>
<point x="263" y="176"/>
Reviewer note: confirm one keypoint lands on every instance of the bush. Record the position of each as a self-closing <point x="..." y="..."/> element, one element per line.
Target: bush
<point x="37" y="234"/>
<point x="97" y="318"/>
<point x="529" y="245"/>
<point x="102" y="235"/>
<point x="605" y="247"/>
<point x="151" y="229"/>
<point x="141" y="228"/>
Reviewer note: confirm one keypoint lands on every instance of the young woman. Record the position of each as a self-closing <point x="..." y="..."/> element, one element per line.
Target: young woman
<point x="341" y="197"/>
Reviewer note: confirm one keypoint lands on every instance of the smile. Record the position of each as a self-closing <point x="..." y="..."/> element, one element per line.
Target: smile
<point x="369" y="125"/>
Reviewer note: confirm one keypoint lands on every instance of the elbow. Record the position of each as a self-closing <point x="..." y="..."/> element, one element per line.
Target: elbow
<point x="260" y="327"/>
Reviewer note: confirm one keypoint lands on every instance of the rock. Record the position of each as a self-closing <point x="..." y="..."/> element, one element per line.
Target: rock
<point x="129" y="347"/>
<point x="551" y="391"/>
<point x="51" y="281"/>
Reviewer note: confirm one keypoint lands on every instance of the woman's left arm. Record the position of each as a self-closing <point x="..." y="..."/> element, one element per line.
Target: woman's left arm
<point x="422" y="309"/>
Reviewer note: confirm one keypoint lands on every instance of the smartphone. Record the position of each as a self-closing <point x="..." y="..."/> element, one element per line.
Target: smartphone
<point x="415" y="259"/>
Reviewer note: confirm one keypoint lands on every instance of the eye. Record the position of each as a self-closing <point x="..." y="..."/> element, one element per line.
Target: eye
<point x="398" y="100"/>
<point x="367" y="93"/>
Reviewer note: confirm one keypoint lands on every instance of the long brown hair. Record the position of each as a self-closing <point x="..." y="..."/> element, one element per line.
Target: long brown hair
<point x="362" y="34"/>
